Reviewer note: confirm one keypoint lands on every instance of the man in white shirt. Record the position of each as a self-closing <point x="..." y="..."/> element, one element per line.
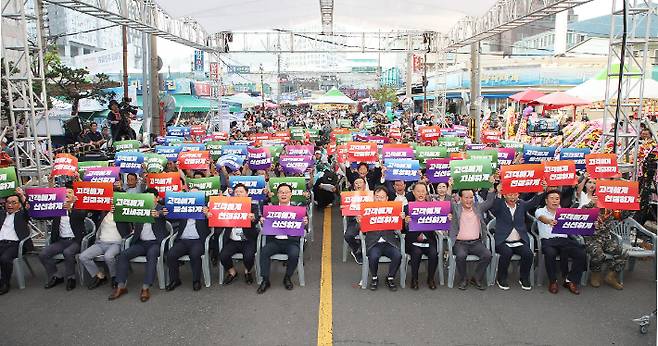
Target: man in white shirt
<point x="14" y="227"/>
<point x="553" y="245"/>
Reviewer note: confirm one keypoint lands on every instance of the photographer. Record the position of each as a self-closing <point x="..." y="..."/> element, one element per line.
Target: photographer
<point x="119" y="119"/>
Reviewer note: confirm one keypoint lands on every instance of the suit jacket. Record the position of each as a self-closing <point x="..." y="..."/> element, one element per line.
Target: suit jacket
<point x="201" y="228"/>
<point x="21" y="219"/>
<point x="124" y="228"/>
<point x="479" y="210"/>
<point x="159" y="227"/>
<point x="373" y="177"/>
<point x="505" y="221"/>
<point x="250" y="233"/>
<point x="77" y="221"/>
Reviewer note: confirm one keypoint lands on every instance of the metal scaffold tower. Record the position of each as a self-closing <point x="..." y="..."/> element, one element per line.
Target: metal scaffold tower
<point x="626" y="70"/>
<point x="24" y="76"/>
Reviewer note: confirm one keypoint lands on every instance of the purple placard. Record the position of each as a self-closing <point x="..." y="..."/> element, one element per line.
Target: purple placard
<point x="397" y="153"/>
<point x="506" y="156"/>
<point x="575" y="221"/>
<point x="298" y="150"/>
<point x="438" y="170"/>
<point x="102" y="174"/>
<point x="283" y="220"/>
<point x="401" y="169"/>
<point x="380" y="140"/>
<point x="476" y="146"/>
<point x="460" y="130"/>
<point x="429" y="216"/>
<point x="259" y="158"/>
<point x="295" y="164"/>
<point x="46" y="201"/>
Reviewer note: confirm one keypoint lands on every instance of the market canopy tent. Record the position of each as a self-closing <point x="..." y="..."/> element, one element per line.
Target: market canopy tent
<point x="333" y="96"/>
<point x="527" y="96"/>
<point x="593" y="90"/>
<point x="560" y="99"/>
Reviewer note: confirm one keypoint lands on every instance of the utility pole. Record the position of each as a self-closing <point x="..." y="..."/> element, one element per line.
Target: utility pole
<point x="124" y="36"/>
<point x="262" y="92"/>
<point x="475" y="89"/>
<point x="425" y="84"/>
<point x="410" y="58"/>
<point x="278" y="74"/>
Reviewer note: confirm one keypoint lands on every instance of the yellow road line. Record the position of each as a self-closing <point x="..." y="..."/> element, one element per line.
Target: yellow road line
<point x="325" y="310"/>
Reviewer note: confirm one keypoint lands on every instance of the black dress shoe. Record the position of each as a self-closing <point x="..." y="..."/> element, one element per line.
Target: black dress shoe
<point x="172" y="285"/>
<point x="414" y="284"/>
<point x="114" y="282"/>
<point x="229" y="278"/>
<point x="263" y="287"/>
<point x="478" y="284"/>
<point x="97" y="282"/>
<point x="248" y="278"/>
<point x="196" y="285"/>
<point x="287" y="283"/>
<point x="390" y="282"/>
<point x="4" y="289"/>
<point x="54" y="281"/>
<point x="431" y="284"/>
<point x="462" y="285"/>
<point x="70" y="284"/>
<point x="373" y="284"/>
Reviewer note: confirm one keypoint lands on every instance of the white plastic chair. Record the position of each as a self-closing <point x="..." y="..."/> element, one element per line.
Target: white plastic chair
<point x="262" y="240"/>
<point x="491" y="228"/>
<point x="541" y="268"/>
<point x="627" y="232"/>
<point x="365" y="268"/>
<point x="205" y="258"/>
<point x="160" y="266"/>
<point x="452" y="261"/>
<point x="90" y="228"/>
<point x="20" y="261"/>
<point x="237" y="256"/>
<point x="439" y="250"/>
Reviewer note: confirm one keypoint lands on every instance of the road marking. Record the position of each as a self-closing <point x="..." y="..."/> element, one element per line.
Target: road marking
<point x="325" y="310"/>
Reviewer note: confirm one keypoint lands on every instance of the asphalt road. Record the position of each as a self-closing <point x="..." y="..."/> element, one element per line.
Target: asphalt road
<point x="236" y="315"/>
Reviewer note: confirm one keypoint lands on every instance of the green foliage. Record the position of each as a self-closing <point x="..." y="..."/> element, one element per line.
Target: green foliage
<point x="385" y="94"/>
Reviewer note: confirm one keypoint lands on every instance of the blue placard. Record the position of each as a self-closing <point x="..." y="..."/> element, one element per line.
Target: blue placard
<point x="537" y="154"/>
<point x="255" y="185"/>
<point x="185" y="205"/>
<point x="240" y="143"/>
<point x="171" y="140"/>
<point x="399" y="169"/>
<point x="178" y="131"/>
<point x="231" y="162"/>
<point x="577" y="155"/>
<point x="240" y="150"/>
<point x="170" y="152"/>
<point x="193" y="146"/>
<point x="129" y="161"/>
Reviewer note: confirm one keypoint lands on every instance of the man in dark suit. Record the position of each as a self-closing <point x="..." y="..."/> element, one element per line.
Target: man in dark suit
<point x="373" y="178"/>
<point x="146" y="241"/>
<point x="66" y="233"/>
<point x="14" y="220"/>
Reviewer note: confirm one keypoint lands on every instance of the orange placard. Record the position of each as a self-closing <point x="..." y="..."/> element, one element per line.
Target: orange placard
<point x="491" y="136"/>
<point x="229" y="211"/>
<point x="429" y="133"/>
<point x="362" y="152"/>
<point x="522" y="178"/>
<point x="92" y="195"/>
<point x="164" y="182"/>
<point x="602" y="166"/>
<point x="194" y="159"/>
<point x="65" y="164"/>
<point x="560" y="173"/>
<point x="618" y="194"/>
<point x="381" y="216"/>
<point x="350" y="201"/>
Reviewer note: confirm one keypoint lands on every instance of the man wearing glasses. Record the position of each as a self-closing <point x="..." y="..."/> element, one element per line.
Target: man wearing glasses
<point x="14" y="221"/>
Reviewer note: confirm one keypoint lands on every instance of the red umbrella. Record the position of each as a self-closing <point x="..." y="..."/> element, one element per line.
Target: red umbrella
<point x="527" y="96"/>
<point x="560" y="99"/>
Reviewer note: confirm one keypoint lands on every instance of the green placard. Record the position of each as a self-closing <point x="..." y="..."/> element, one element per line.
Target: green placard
<point x="298" y="188"/>
<point x="155" y="163"/>
<point x="297" y="133"/>
<point x="518" y="146"/>
<point x="491" y="155"/>
<point x="275" y="152"/>
<point x="313" y="135"/>
<point x="209" y="185"/>
<point x="345" y="123"/>
<point x="84" y="165"/>
<point x="8" y="181"/>
<point x="343" y="138"/>
<point x="215" y="149"/>
<point x="427" y="152"/>
<point x="470" y="173"/>
<point x="133" y="207"/>
<point x="126" y="145"/>
<point x="452" y="144"/>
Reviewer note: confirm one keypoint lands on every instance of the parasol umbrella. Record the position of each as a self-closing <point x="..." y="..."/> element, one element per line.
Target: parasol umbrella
<point x="527" y="96"/>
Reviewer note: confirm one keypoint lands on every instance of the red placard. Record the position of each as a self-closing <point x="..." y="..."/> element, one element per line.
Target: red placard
<point x="618" y="194"/>
<point x="194" y="159"/>
<point x="65" y="164"/>
<point x="350" y="201"/>
<point x="522" y="178"/>
<point x="229" y="211"/>
<point x="429" y="133"/>
<point x="491" y="136"/>
<point x="93" y="196"/>
<point x="282" y="135"/>
<point x="258" y="137"/>
<point x="220" y="136"/>
<point x="164" y="182"/>
<point x="338" y="131"/>
<point x="341" y="153"/>
<point x="362" y="152"/>
<point x="395" y="133"/>
<point x="198" y="130"/>
<point x="601" y="166"/>
<point x="381" y="216"/>
<point x="560" y="173"/>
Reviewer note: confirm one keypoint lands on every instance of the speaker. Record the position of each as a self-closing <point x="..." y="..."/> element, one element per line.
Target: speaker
<point x="73" y="126"/>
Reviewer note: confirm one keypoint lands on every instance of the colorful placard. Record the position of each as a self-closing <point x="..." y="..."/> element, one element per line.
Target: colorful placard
<point x="521" y="178"/>
<point x="240" y="150"/>
<point x="84" y="165"/>
<point x="381" y="216"/>
<point x="164" y="182"/>
<point x="402" y="169"/>
<point x="215" y="148"/>
<point x="560" y="173"/>
<point x="255" y="185"/>
<point x="470" y="174"/>
<point x="577" y="155"/>
<point x="452" y="144"/>
<point x="129" y="161"/>
<point x="185" y="205"/>
<point x="8" y="181"/>
<point x="65" y="164"/>
<point x="506" y="156"/>
<point x="93" y="195"/>
<point x="293" y="165"/>
<point x="283" y="220"/>
<point x="491" y="136"/>
<point x="210" y="186"/>
<point x="229" y="211"/>
<point x="602" y="166"/>
<point x="133" y="207"/>
<point x="438" y="170"/>
<point x="259" y="158"/>
<point x="397" y="151"/>
<point x="155" y="163"/>
<point x="362" y="152"/>
<point x="491" y="155"/>
<point x="230" y="161"/>
<point x="298" y="187"/>
<point x="194" y="160"/>
<point x="537" y="154"/>
<point x="350" y="201"/>
<point x="101" y="174"/>
<point x="429" y="216"/>
<point x="46" y="201"/>
<point x="517" y="146"/>
<point x="618" y="194"/>
<point x="178" y="131"/>
<point x="575" y="221"/>
<point x="429" y="133"/>
<point x="131" y="145"/>
<point x="192" y="147"/>
<point x="169" y="151"/>
<point x="424" y="153"/>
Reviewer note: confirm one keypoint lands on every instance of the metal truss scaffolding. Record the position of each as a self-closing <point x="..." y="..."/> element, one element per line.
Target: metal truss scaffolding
<point x="327" y="16"/>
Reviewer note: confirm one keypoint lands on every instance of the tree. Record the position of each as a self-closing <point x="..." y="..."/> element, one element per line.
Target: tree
<point x="5" y="91"/>
<point x="385" y="94"/>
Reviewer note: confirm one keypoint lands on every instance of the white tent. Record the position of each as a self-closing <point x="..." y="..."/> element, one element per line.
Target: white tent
<point x="593" y="90"/>
<point x="333" y="96"/>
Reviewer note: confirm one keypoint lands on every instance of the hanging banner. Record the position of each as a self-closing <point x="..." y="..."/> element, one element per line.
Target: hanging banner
<point x="231" y="162"/>
<point x="491" y="136"/>
<point x="133" y="207"/>
<point x="283" y="220"/>
<point x="521" y="178"/>
<point x="402" y="169"/>
<point x="452" y="145"/>
<point x="470" y="174"/>
<point x="299" y="150"/>
<point x="560" y="173"/>
<point x="84" y="165"/>
<point x="577" y="155"/>
<point x="429" y="133"/>
<point x="298" y="187"/>
<point x="362" y="152"/>
<point x="129" y="161"/>
<point x="254" y="184"/>
<point x="8" y="181"/>
<point x="127" y="145"/>
<point x="506" y="156"/>
<point x="65" y="164"/>
<point x="194" y="160"/>
<point x="259" y="158"/>
<point x="210" y="186"/>
<point x="46" y="202"/>
<point x="350" y="201"/>
<point x="185" y="205"/>
<point x="602" y="166"/>
<point x="618" y="194"/>
<point x="102" y="174"/>
<point x="178" y="131"/>
<point x="381" y="216"/>
<point x="397" y="151"/>
<point x="438" y="170"/>
<point x="535" y="154"/>
<point x="164" y="182"/>
<point x="429" y="216"/>
<point x="215" y="149"/>
<point x="491" y="155"/>
<point x="575" y="221"/>
<point x="93" y="195"/>
<point x="155" y="163"/>
<point x="229" y="212"/>
<point x="295" y="164"/>
<point x="170" y="152"/>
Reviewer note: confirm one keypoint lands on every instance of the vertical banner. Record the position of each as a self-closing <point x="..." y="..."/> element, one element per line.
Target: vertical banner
<point x="164" y="182"/>
<point x="185" y="205"/>
<point x="535" y="154"/>
<point x="381" y="216"/>
<point x="402" y="169"/>
<point x="46" y="202"/>
<point x="521" y="178"/>
<point x="560" y="173"/>
<point x="470" y="174"/>
<point x="283" y="220"/>
<point x="133" y="207"/>
<point x="198" y="60"/>
<point x="506" y="156"/>
<point x="618" y="194"/>
<point x="397" y="151"/>
<point x="65" y="164"/>
<point x="229" y="211"/>
<point x="93" y="196"/>
<point x="602" y="166"/>
<point x="259" y="158"/>
<point x="362" y="152"/>
<point x="429" y="216"/>
<point x="577" y="155"/>
<point x="194" y="160"/>
<point x="438" y="170"/>
<point x="255" y="185"/>
<point x="126" y="145"/>
<point x="102" y="174"/>
<point x="575" y="221"/>
<point x="350" y="201"/>
<point x="210" y="186"/>
<point x="170" y="152"/>
<point x="298" y="188"/>
<point x="8" y="181"/>
<point x="129" y="161"/>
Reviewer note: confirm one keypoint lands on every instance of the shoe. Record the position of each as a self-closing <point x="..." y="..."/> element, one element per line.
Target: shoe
<point x="196" y="285"/>
<point x="431" y="284"/>
<point x="214" y="260"/>
<point x="144" y="295"/>
<point x="70" y="284"/>
<point x="229" y="278"/>
<point x="478" y="284"/>
<point x="114" y="282"/>
<point x="525" y="284"/>
<point x="97" y="282"/>
<point x="4" y="289"/>
<point x="54" y="281"/>
<point x="248" y="278"/>
<point x="553" y="287"/>
<point x="611" y="279"/>
<point x="373" y="284"/>
<point x="414" y="284"/>
<point x="117" y="292"/>
<point x="502" y="284"/>
<point x="287" y="283"/>
<point x="390" y="283"/>
<point x="595" y="279"/>
<point x="263" y="287"/>
<point x="573" y="288"/>
<point x="462" y="285"/>
<point x="358" y="257"/>
<point x="172" y="285"/>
